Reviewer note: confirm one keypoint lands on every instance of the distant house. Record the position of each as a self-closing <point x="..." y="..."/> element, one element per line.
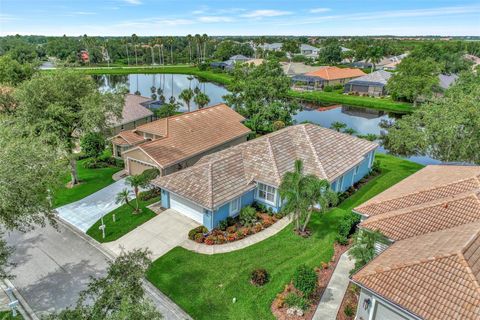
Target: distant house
<point x="372" y="84"/>
<point x="297" y="68"/>
<point x="84" y="56"/>
<point x="222" y="183"/>
<point x="239" y="58"/>
<point x="327" y="76"/>
<point x="430" y="266"/>
<point x="134" y="113"/>
<point x="230" y="63"/>
<point x="177" y="142"/>
<point x="271" y="46"/>
<point x="308" y="50"/>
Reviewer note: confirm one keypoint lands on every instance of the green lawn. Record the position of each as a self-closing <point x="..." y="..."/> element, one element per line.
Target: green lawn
<point x="92" y="180"/>
<point x="125" y="221"/>
<point x="7" y="315"/>
<point x="204" y="285"/>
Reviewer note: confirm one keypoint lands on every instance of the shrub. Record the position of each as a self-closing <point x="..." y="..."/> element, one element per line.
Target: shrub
<point x="295" y="300"/>
<point x="230" y="221"/>
<point x="149" y="194"/>
<point x="231" y="237"/>
<point x="256" y="228"/>
<point x="278" y="215"/>
<point x="222" y="225"/>
<point x="92" y="163"/>
<point x="245" y="231"/>
<point x="259" y="206"/>
<point x="93" y="144"/>
<point x="231" y="229"/>
<point x="346" y="227"/>
<point x="210" y="240"/>
<point x="199" y="238"/>
<point x="349" y="311"/>
<point x="248" y="216"/>
<point x="259" y="277"/>
<point x="240" y="235"/>
<point x="221" y="239"/>
<point x="198" y="230"/>
<point x="328" y="89"/>
<point x="305" y="280"/>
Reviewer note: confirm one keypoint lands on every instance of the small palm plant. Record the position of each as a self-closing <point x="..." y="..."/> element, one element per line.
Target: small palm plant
<point x="201" y="99"/>
<point x="303" y="193"/>
<point x="363" y="247"/>
<point x="350" y="131"/>
<point x="338" y="126"/>
<point x="136" y="182"/>
<point x="187" y="96"/>
<point x="123" y="197"/>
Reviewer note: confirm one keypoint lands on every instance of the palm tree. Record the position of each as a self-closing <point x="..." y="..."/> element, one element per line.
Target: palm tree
<point x="336" y="125"/>
<point x="201" y="99"/>
<point x="134" y="41"/>
<point x="374" y="55"/>
<point x="125" y="42"/>
<point x="302" y="193"/>
<point x="123" y="197"/>
<point x="171" y="41"/>
<point x="189" y="39"/>
<point x="136" y="182"/>
<point x="204" y="40"/>
<point x="350" y="131"/>
<point x="198" y="39"/>
<point x="363" y="247"/>
<point x="187" y="95"/>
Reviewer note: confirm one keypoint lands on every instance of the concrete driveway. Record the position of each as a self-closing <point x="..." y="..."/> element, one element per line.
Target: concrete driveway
<point x="160" y="234"/>
<point x="85" y="212"/>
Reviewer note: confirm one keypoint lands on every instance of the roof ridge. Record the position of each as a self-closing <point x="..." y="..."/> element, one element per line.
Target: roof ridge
<point x="315" y="155"/>
<point x="275" y="167"/>
<point x="421" y="191"/>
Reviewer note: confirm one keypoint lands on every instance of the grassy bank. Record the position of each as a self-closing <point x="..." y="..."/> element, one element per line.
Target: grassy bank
<point x="204" y="285"/>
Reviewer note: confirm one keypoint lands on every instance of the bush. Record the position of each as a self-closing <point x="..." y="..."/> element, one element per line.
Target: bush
<point x="259" y="206"/>
<point x="305" y="280"/>
<point x="92" y="163"/>
<point x="149" y="194"/>
<point x="259" y="277"/>
<point x="93" y="144"/>
<point x="222" y="225"/>
<point x="210" y="240"/>
<point x="198" y="230"/>
<point x="349" y="311"/>
<point x="199" y="238"/>
<point x="328" y="89"/>
<point x="346" y="227"/>
<point x="230" y="221"/>
<point x="295" y="300"/>
<point x="248" y="216"/>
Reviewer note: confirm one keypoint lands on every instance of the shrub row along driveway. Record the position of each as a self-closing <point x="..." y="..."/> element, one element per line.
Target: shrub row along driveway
<point x="205" y="285"/>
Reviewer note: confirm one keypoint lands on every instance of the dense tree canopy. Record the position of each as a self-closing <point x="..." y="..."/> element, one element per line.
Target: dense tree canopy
<point x="447" y="128"/>
<point x="13" y="72"/>
<point x="228" y="48"/>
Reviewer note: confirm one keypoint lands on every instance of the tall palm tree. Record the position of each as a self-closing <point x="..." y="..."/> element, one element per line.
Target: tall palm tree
<point x="363" y="246"/>
<point x="125" y="42"/>
<point x="205" y="41"/>
<point x="136" y="182"/>
<point x="189" y="39"/>
<point x="187" y="95"/>
<point x="201" y="99"/>
<point x="374" y="55"/>
<point x="338" y="126"/>
<point x="198" y="39"/>
<point x="302" y="193"/>
<point x="171" y="41"/>
<point x="134" y="41"/>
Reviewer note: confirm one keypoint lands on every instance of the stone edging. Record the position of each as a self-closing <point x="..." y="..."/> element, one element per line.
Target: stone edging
<point x="239" y="244"/>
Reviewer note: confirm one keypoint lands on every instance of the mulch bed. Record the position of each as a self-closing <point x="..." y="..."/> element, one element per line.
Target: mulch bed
<point x="324" y="273"/>
<point x="350" y="299"/>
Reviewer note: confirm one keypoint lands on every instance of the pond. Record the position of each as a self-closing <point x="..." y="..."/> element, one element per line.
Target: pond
<point x="362" y="120"/>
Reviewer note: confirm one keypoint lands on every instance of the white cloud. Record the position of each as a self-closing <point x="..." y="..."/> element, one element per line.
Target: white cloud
<point x="265" y="13"/>
<point x="134" y="2"/>
<point x="319" y="10"/>
<point x="213" y="19"/>
<point x="84" y="13"/>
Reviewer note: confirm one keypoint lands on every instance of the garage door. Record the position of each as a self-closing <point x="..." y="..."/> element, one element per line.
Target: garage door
<point x="136" y="167"/>
<point x="186" y="208"/>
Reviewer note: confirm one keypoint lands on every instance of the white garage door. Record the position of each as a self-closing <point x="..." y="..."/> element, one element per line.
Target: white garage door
<point x="186" y="208"/>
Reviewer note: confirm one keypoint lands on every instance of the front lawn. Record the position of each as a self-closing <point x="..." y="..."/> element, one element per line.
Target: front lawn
<point x="204" y="285"/>
<point x="91" y="180"/>
<point x="125" y="221"/>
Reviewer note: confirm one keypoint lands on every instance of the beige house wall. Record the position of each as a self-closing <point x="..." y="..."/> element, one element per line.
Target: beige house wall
<point x="131" y="125"/>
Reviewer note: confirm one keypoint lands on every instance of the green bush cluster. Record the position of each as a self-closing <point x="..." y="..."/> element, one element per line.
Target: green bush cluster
<point x="295" y="300"/>
<point x="149" y="194"/>
<point x="248" y="216"/>
<point x="259" y="277"/>
<point x="198" y="230"/>
<point x="305" y="280"/>
<point x="346" y="227"/>
<point x="224" y="224"/>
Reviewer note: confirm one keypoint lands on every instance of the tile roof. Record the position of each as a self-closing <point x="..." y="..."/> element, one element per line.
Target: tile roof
<point x="188" y="134"/>
<point x="133" y="110"/>
<point x="380" y="77"/>
<point x="334" y="73"/>
<point x="325" y="153"/>
<point x="434" y="276"/>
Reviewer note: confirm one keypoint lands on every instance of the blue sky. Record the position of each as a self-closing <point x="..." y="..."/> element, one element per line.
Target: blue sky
<point x="226" y="17"/>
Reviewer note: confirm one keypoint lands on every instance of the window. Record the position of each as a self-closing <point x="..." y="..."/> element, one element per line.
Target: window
<point x="340" y="183"/>
<point x="356" y="169"/>
<point x="266" y="193"/>
<point x="235" y="206"/>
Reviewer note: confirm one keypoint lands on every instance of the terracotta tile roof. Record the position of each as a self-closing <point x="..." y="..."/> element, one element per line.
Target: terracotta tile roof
<point x="435" y="275"/>
<point x="133" y="110"/>
<point x="188" y="134"/>
<point x="128" y="136"/>
<point x="325" y="153"/>
<point x="334" y="73"/>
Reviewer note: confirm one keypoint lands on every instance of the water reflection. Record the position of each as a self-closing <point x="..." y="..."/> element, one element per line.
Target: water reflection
<point x="155" y="86"/>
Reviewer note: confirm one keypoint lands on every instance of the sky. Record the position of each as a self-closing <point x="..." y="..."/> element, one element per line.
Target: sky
<point x="246" y="17"/>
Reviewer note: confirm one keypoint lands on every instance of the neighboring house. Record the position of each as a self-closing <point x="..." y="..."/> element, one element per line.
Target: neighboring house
<point x="173" y="143"/>
<point x="308" y="50"/>
<point x="327" y="76"/>
<point x="220" y="184"/>
<point x="271" y="46"/>
<point x="298" y="68"/>
<point x="432" y="269"/>
<point x="345" y="49"/>
<point x="230" y="63"/>
<point x="134" y="113"/>
<point x="255" y="62"/>
<point x="239" y="58"/>
<point x="372" y="84"/>
<point x="447" y="80"/>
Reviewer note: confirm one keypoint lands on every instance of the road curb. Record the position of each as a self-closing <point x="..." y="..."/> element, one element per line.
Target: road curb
<point x="24" y="308"/>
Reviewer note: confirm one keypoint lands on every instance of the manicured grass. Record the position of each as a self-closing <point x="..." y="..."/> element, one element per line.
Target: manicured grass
<point x="386" y="104"/>
<point x="204" y="285"/>
<point x="125" y="221"/>
<point x="92" y="180"/>
<point x="7" y="315"/>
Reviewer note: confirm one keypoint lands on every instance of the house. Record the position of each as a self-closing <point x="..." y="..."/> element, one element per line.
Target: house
<point x="230" y="63"/>
<point x="220" y="184"/>
<point x="298" y="68"/>
<point x="327" y="76"/>
<point x="432" y="223"/>
<point x="134" y="113"/>
<point x="308" y="50"/>
<point x="271" y="46"/>
<point x="173" y="143"/>
<point x="372" y="84"/>
<point x="239" y="58"/>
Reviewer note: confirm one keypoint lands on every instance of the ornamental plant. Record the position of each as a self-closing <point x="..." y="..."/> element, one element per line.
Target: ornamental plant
<point x="305" y="280"/>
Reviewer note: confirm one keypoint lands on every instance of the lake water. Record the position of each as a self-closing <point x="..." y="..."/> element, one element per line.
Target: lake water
<point x="362" y="120"/>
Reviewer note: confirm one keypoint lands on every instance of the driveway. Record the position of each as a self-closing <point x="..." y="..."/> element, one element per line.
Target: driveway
<point x="160" y="234"/>
<point x="85" y="212"/>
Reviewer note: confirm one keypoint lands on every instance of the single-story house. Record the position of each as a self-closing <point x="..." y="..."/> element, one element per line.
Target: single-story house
<point x="271" y="46"/>
<point x="298" y="68"/>
<point x="134" y="113"/>
<point x="230" y="63"/>
<point x="239" y="58"/>
<point x="327" y="76"/>
<point x="372" y="84"/>
<point x="173" y="143"/>
<point x="222" y="183"/>
<point x="431" y="267"/>
<point x="308" y="50"/>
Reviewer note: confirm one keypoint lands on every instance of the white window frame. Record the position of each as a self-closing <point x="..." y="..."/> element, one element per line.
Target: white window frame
<point x="340" y="183"/>
<point x="274" y="192"/>
<point x="238" y="202"/>
<point x="357" y="168"/>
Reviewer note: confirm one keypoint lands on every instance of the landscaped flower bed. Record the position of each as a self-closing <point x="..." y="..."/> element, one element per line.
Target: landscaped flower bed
<point x="251" y="220"/>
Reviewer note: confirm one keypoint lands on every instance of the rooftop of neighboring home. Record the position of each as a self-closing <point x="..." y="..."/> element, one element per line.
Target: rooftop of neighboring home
<point x="239" y="57"/>
<point x="433" y="199"/>
<point x="255" y="62"/>
<point x="271" y="46"/>
<point x="133" y="109"/>
<point x="298" y="68"/>
<point x="335" y="73"/>
<point x="434" y="275"/>
<point x="224" y="175"/>
<point x="447" y="80"/>
<point x="170" y="140"/>
<point x="379" y="77"/>
<point x="304" y="47"/>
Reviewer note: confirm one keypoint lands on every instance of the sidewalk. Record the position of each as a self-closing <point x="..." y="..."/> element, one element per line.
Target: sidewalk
<point x="332" y="297"/>
<point x="240" y="244"/>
